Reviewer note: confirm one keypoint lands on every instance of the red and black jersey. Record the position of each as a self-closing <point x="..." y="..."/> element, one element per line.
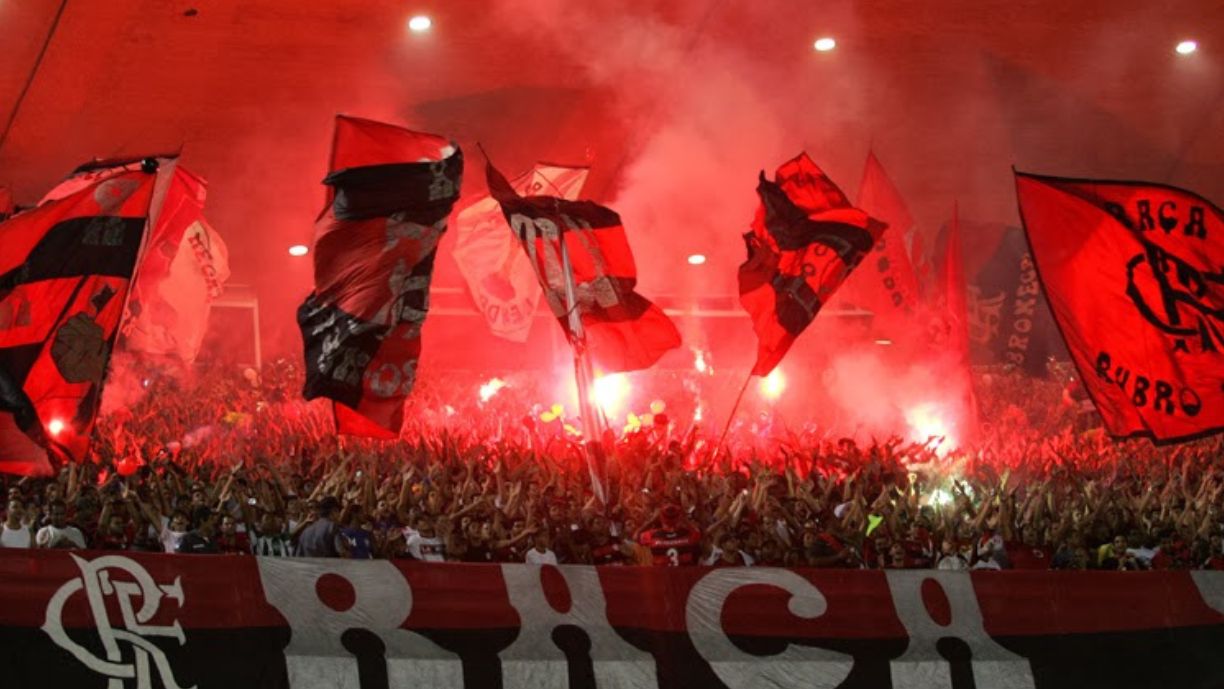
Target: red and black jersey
<point x="673" y="547"/>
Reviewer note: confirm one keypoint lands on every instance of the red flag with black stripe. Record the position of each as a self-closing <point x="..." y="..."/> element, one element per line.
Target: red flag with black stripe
<point x="1134" y="274"/>
<point x="806" y="239"/>
<point x="64" y="276"/>
<point x="390" y="191"/>
<point x="624" y="330"/>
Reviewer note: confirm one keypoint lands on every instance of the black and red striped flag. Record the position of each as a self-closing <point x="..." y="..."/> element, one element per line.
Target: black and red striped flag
<point x="65" y="271"/>
<point x="624" y="330"/>
<point x="1134" y="273"/>
<point x="806" y="238"/>
<point x="390" y="191"/>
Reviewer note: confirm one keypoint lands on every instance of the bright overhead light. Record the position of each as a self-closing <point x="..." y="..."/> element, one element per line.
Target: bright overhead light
<point x="298" y="250"/>
<point x="696" y="259"/>
<point x="1186" y="47"/>
<point x="825" y="44"/>
<point x="883" y="342"/>
<point x="419" y="23"/>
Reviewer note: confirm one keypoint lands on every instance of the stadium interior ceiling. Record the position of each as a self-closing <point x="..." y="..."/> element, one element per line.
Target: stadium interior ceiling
<point x="674" y="105"/>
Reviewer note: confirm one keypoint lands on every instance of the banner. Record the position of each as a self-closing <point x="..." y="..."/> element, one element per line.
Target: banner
<point x="64" y="275"/>
<point x="1009" y="320"/>
<point x="498" y="272"/>
<point x="1134" y="273"/>
<point x="806" y="239"/>
<point x="390" y="191"/>
<point x="624" y="330"/>
<point x="125" y="621"/>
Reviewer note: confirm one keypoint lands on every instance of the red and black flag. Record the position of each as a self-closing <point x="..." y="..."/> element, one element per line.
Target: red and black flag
<point x="64" y="276"/>
<point x="390" y="191"/>
<point x="1134" y="274"/>
<point x="624" y="330"/>
<point x="805" y="239"/>
<point x="183" y="268"/>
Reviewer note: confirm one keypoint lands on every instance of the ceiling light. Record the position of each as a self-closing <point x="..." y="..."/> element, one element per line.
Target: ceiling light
<point x="696" y="259"/>
<point x="1186" y="47"/>
<point x="825" y="44"/>
<point x="419" y="23"/>
<point x="298" y="250"/>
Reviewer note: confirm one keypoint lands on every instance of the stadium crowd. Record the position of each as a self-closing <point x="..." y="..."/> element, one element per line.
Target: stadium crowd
<point x="238" y="466"/>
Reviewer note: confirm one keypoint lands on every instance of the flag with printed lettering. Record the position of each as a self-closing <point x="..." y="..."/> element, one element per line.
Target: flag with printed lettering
<point x="498" y="273"/>
<point x="805" y="241"/>
<point x="886" y="283"/>
<point x="624" y="330"/>
<point x="1134" y="274"/>
<point x="182" y="270"/>
<point x="1009" y="320"/>
<point x="389" y="192"/>
<point x="65" y="273"/>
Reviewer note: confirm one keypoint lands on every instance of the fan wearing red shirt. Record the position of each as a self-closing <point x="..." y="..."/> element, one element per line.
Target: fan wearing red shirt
<point x="230" y="540"/>
<point x="1029" y="552"/>
<point x="673" y="544"/>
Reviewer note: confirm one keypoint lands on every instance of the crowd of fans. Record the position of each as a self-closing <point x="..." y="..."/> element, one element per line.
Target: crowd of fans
<point x="239" y="466"/>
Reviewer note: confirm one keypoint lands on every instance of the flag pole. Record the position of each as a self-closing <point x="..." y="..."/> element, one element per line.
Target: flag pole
<point x="591" y="426"/>
<point x="731" y="417"/>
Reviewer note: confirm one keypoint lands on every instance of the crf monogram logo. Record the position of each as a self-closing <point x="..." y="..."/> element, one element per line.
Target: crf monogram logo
<point x="985" y="314"/>
<point x="1178" y="298"/>
<point x="138" y="598"/>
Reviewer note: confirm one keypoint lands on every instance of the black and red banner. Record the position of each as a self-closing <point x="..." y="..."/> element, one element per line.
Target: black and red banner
<point x="122" y="621"/>
<point x="624" y="330"/>
<point x="1134" y="274"/>
<point x="65" y="270"/>
<point x="806" y="238"/>
<point x="1009" y="319"/>
<point x="390" y="191"/>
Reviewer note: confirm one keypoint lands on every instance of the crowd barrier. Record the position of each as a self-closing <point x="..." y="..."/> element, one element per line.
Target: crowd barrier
<point x="140" y="621"/>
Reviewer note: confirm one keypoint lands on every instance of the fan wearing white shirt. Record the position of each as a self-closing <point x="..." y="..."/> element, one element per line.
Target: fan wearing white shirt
<point x="59" y="533"/>
<point x="541" y="554"/>
<point x="14" y="533"/>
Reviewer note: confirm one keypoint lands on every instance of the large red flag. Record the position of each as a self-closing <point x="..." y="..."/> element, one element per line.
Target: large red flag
<point x="6" y="203"/>
<point x="182" y="270"/>
<point x="624" y="330"/>
<point x="498" y="273"/>
<point x="956" y="302"/>
<point x="64" y="275"/>
<point x="389" y="193"/>
<point x="886" y="285"/>
<point x="806" y="238"/>
<point x="1134" y="273"/>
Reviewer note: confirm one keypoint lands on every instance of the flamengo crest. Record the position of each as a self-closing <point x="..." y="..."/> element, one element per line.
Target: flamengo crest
<point x="139" y="598"/>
